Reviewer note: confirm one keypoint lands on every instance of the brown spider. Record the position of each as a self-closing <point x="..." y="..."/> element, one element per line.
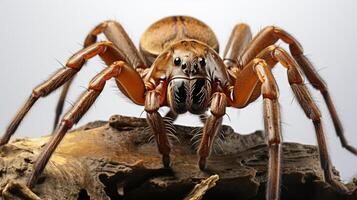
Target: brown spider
<point x="178" y="66"/>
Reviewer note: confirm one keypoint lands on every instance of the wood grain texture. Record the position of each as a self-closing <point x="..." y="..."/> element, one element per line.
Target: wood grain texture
<point x="117" y="160"/>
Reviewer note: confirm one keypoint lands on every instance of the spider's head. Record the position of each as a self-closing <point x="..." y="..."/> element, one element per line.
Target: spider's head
<point x="192" y="70"/>
<point x="189" y="87"/>
<point x="189" y="60"/>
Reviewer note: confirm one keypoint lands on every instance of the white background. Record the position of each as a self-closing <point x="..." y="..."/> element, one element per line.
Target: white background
<point x="34" y="34"/>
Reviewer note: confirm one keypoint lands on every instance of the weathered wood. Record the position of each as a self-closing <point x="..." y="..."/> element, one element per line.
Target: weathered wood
<point x="119" y="160"/>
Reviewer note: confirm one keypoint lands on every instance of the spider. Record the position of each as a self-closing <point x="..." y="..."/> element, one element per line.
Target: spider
<point x="178" y="66"/>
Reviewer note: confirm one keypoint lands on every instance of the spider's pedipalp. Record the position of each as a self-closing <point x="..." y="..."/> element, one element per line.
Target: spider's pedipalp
<point x="157" y="123"/>
<point x="212" y="126"/>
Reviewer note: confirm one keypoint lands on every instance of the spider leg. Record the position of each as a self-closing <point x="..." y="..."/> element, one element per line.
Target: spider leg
<point x="239" y="39"/>
<point x="255" y="74"/>
<point x="124" y="74"/>
<point x="63" y="75"/>
<point x="272" y="55"/>
<point x="212" y="127"/>
<point x="270" y="35"/>
<point x="116" y="34"/>
<point x="60" y="103"/>
<point x="153" y="101"/>
<point x="270" y="92"/>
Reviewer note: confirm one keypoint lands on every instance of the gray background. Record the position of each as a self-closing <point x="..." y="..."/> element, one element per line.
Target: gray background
<point x="34" y="34"/>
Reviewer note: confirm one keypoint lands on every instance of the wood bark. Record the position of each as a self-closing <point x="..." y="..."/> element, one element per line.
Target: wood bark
<point x="118" y="159"/>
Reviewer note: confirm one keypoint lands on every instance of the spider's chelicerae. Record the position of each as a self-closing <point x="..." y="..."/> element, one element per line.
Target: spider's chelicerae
<point x="178" y="66"/>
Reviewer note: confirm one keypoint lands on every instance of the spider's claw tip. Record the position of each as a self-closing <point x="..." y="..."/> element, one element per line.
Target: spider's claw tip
<point x="166" y="161"/>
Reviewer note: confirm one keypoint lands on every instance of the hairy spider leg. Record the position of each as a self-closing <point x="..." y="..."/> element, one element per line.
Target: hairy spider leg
<point x="116" y="34"/>
<point x="238" y="41"/>
<point x="212" y="126"/>
<point x="153" y="101"/>
<point x="124" y="74"/>
<point x="272" y="55"/>
<point x="247" y="81"/>
<point x="270" y="35"/>
<point x="258" y="71"/>
<point x="73" y="65"/>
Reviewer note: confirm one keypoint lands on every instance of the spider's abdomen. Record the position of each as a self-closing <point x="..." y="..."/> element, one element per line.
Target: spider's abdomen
<point x="191" y="95"/>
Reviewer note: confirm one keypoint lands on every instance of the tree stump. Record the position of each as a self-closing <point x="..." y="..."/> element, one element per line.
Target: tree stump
<point x="119" y="160"/>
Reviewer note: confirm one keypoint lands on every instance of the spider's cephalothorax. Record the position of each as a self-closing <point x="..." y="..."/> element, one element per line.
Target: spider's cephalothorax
<point x="184" y="51"/>
<point x="178" y="66"/>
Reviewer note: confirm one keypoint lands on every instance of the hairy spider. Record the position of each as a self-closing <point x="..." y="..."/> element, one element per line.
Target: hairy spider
<point x="178" y="66"/>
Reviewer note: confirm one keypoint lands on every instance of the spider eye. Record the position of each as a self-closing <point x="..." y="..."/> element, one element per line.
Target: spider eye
<point x="177" y="61"/>
<point x="202" y="62"/>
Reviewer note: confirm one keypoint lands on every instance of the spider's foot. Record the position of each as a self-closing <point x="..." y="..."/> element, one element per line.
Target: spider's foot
<point x="202" y="163"/>
<point x="166" y="160"/>
<point x="339" y="187"/>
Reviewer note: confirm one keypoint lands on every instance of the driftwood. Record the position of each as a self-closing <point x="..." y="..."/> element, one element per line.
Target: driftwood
<point x="119" y="160"/>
